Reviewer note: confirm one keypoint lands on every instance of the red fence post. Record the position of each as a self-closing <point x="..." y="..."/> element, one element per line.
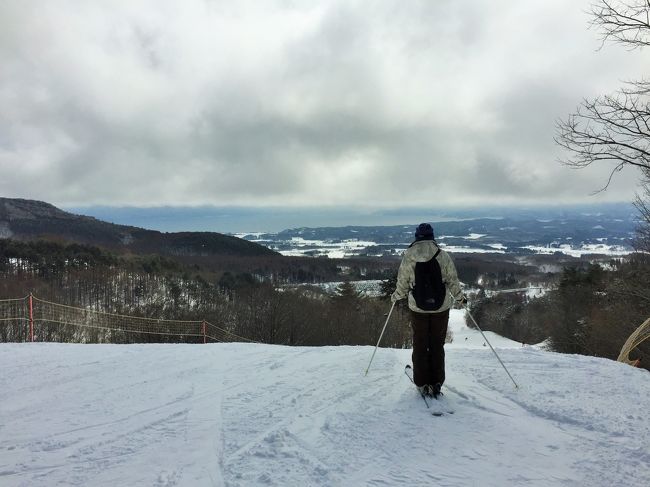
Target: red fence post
<point x="31" y="317"/>
<point x="205" y="338"/>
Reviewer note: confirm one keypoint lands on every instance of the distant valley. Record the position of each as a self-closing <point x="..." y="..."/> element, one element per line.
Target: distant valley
<point x="579" y="231"/>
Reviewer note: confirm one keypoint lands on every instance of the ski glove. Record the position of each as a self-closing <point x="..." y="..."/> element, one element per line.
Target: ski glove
<point x="463" y="300"/>
<point x="394" y="298"/>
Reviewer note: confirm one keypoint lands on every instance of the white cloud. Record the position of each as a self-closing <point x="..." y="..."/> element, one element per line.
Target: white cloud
<point x="298" y="103"/>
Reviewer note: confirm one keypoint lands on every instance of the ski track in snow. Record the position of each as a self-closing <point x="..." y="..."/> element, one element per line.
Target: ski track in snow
<point x="239" y="415"/>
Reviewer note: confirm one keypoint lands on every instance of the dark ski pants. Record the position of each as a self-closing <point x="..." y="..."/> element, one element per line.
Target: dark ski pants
<point x="429" y="333"/>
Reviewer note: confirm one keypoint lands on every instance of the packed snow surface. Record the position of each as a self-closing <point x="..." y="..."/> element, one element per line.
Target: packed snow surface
<point x="242" y="414"/>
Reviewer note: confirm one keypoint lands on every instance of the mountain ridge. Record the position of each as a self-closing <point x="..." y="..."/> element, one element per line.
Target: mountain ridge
<point x="24" y="219"/>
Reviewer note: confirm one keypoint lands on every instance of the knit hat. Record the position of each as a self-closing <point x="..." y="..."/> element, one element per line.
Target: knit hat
<point x="424" y="231"/>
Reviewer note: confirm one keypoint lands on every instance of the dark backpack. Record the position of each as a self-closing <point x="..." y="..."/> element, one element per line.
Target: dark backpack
<point x="429" y="291"/>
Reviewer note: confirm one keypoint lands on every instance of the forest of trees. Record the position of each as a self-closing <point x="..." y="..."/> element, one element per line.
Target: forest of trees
<point x="592" y="311"/>
<point x="589" y="310"/>
<point x="250" y="305"/>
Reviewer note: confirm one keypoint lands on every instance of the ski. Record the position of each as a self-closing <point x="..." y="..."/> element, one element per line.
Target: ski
<point x="408" y="371"/>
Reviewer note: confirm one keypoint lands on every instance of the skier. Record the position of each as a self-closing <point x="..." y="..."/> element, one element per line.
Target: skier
<point x="427" y="277"/>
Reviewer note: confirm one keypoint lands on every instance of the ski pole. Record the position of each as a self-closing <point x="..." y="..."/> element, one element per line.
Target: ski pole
<point x="382" y="334"/>
<point x="494" y="351"/>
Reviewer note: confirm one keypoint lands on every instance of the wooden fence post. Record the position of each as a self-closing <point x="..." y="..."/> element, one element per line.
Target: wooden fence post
<point x="205" y="338"/>
<point x="31" y="317"/>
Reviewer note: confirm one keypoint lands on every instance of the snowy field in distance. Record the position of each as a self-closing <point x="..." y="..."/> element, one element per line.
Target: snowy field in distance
<point x="579" y="251"/>
<point x="249" y="415"/>
<point x="341" y="249"/>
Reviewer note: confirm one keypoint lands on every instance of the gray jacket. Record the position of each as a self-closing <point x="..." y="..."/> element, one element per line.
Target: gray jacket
<point x="422" y="251"/>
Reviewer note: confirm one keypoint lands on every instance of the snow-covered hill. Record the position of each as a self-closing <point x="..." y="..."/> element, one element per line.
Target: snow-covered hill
<point x="239" y="415"/>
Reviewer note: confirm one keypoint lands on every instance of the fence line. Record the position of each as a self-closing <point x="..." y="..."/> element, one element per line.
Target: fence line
<point x="49" y="321"/>
<point x="13" y="299"/>
<point x="14" y="311"/>
<point x="221" y="330"/>
<point x="97" y="327"/>
<point x="111" y="314"/>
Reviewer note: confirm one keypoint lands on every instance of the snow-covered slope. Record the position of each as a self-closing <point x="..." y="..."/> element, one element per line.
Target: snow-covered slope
<point x="239" y="415"/>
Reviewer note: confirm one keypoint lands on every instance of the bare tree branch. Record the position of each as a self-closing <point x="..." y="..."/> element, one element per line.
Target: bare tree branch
<point x="616" y="128"/>
<point x="642" y="203"/>
<point x="624" y="22"/>
<point x="612" y="128"/>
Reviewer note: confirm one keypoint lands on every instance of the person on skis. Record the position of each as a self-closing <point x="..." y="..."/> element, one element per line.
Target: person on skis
<point x="427" y="277"/>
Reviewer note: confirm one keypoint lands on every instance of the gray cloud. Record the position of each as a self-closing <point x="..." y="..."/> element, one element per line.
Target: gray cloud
<point x="298" y="103"/>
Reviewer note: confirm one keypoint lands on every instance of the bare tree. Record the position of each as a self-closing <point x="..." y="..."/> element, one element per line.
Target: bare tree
<point x="626" y="22"/>
<point x="615" y="128"/>
<point x="642" y="203"/>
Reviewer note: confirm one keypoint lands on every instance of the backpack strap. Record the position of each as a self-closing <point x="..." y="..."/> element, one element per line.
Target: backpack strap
<point x="437" y="252"/>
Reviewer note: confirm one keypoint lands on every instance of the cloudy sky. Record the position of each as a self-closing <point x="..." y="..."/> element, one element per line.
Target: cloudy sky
<point x="299" y="104"/>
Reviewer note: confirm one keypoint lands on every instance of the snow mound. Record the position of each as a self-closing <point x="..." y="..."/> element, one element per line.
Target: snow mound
<point x="242" y="414"/>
